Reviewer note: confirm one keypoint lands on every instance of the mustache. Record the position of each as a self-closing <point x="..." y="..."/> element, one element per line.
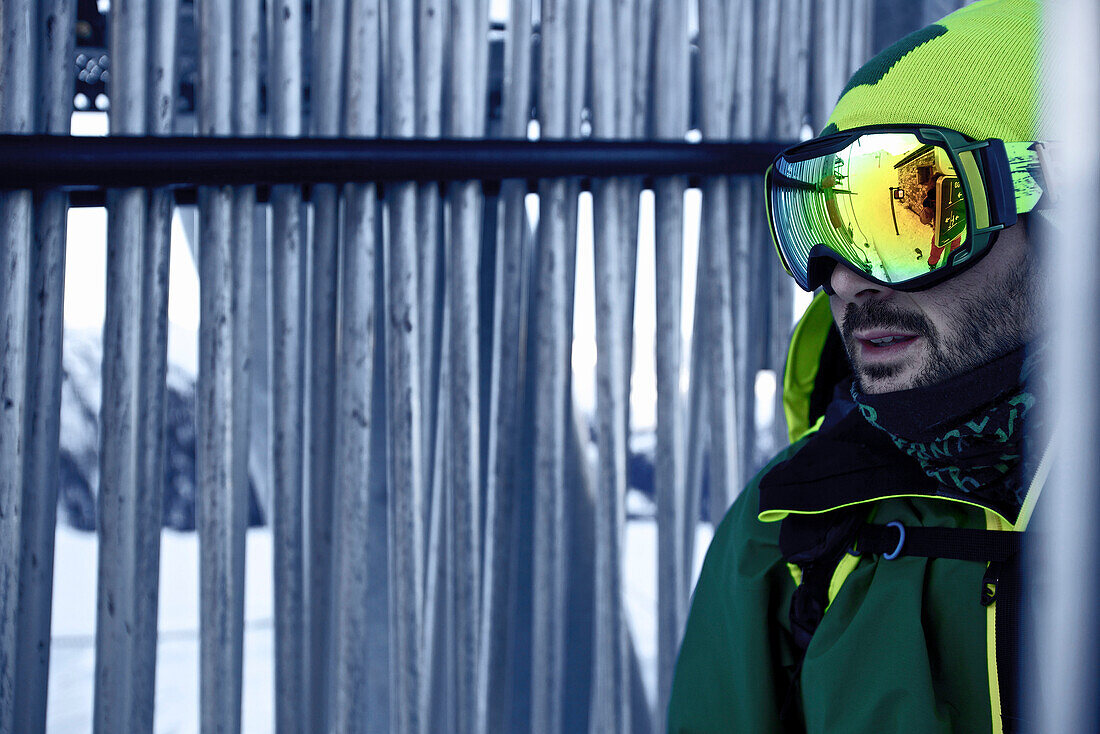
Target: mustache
<point x="878" y="315"/>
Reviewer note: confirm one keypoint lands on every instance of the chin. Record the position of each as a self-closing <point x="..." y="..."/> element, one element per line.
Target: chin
<point x="875" y="381"/>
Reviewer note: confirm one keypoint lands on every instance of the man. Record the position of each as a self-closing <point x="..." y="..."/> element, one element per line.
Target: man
<point x="867" y="579"/>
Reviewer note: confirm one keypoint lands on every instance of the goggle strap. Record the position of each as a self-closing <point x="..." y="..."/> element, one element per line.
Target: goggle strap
<point x="1000" y="195"/>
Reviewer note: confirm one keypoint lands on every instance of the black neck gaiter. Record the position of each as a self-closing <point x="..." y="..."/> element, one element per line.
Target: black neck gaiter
<point x="967" y="432"/>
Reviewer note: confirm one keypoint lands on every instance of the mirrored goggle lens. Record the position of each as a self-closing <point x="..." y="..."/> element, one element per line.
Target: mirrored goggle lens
<point x="888" y="203"/>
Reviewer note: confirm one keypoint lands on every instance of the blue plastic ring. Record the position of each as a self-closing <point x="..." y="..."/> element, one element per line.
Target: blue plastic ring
<point x="901" y="541"/>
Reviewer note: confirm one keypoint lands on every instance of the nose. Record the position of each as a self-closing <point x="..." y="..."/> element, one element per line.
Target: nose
<point x="853" y="288"/>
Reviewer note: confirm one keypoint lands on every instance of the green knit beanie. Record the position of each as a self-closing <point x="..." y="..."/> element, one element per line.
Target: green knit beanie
<point x="976" y="71"/>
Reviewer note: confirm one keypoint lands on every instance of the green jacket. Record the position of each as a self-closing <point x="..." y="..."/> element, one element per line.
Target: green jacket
<point x="904" y="645"/>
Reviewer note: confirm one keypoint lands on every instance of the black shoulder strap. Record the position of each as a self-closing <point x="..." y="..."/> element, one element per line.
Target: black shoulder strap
<point x="961" y="544"/>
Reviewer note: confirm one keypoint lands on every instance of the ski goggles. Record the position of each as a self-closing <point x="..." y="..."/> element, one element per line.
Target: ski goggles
<point x="905" y="206"/>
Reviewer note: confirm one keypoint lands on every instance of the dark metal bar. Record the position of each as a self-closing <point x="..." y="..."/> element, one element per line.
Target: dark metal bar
<point x="57" y="161"/>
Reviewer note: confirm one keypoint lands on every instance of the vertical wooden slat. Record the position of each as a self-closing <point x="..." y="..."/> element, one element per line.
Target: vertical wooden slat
<point x="750" y="301"/>
<point x="509" y="305"/>
<point x="859" y="49"/>
<point x="772" y="331"/>
<point x="161" y="94"/>
<point x="116" y="707"/>
<point x="244" y="116"/>
<point x="287" y="288"/>
<point x="17" y="115"/>
<point x="326" y="102"/>
<point x="551" y="365"/>
<point x="352" y="712"/>
<point x="646" y="61"/>
<point x="625" y="60"/>
<point x="579" y="533"/>
<point x="671" y="86"/>
<point x="432" y="19"/>
<point x="578" y="62"/>
<point x="825" y="89"/>
<point x="438" y="693"/>
<point x="221" y="590"/>
<point x="714" y="248"/>
<point x="467" y="109"/>
<point x="790" y="111"/>
<point x="610" y="710"/>
<point x="404" y="424"/>
<point x="45" y="320"/>
<point x="698" y="438"/>
<point x="842" y="54"/>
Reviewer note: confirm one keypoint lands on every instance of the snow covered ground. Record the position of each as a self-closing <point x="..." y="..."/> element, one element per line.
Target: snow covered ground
<point x="72" y="658"/>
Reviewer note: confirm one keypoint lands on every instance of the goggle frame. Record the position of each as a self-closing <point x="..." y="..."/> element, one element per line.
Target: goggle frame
<point x="984" y="173"/>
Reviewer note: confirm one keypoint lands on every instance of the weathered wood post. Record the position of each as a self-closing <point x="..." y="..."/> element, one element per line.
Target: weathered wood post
<point x="45" y="323"/>
<point x="286" y="267"/>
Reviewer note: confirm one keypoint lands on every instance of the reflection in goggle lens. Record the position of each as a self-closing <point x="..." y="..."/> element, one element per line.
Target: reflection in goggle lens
<point x="888" y="203"/>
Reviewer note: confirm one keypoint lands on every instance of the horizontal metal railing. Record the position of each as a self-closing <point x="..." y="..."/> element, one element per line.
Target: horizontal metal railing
<point x="119" y="161"/>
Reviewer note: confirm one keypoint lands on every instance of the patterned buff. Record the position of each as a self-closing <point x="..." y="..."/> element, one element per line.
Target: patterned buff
<point x="966" y="434"/>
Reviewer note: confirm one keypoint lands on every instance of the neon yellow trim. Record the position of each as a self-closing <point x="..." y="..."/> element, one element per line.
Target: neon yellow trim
<point x="796" y="573"/>
<point x="812" y="429"/>
<point x="993" y="521"/>
<point x="1033" y="492"/>
<point x="803" y="363"/>
<point x="777" y="515"/>
<point x="847" y="564"/>
<point x="977" y="189"/>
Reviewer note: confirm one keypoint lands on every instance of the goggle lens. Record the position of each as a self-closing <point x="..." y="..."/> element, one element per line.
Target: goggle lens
<point x="889" y="204"/>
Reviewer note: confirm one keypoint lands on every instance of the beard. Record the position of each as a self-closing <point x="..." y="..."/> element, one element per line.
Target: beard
<point x="983" y="324"/>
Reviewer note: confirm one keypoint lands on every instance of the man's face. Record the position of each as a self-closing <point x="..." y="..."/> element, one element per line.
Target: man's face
<point x="897" y="340"/>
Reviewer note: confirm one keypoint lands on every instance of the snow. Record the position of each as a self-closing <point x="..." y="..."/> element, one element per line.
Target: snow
<point x="72" y="658"/>
<point x="640" y="590"/>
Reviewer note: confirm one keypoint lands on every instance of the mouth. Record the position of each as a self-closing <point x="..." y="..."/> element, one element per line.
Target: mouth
<point x="883" y="344"/>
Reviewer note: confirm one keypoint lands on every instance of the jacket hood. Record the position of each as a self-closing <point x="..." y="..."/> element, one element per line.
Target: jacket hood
<point x="816" y="364"/>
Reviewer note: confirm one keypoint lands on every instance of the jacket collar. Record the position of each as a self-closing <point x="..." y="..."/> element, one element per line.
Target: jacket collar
<point x="849" y="462"/>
